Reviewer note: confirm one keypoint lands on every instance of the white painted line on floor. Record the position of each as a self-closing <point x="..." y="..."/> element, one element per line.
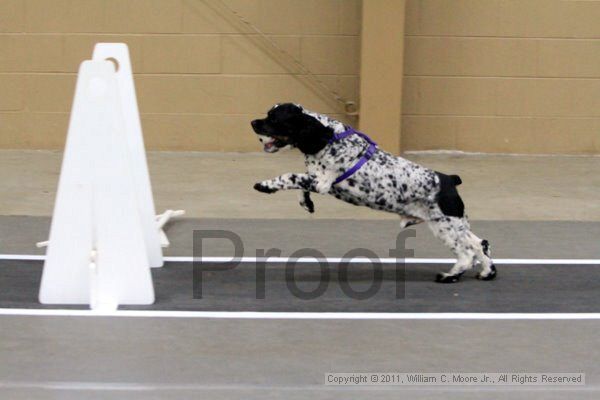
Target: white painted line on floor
<point x="337" y="260"/>
<point x="297" y="315"/>
<point x="23" y="257"/>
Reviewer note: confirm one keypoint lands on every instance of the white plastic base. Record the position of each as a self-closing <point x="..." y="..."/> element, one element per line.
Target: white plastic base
<point x="104" y="235"/>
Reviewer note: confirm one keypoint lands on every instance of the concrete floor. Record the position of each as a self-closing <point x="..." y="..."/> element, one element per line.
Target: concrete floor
<point x="180" y="358"/>
<point x="195" y="358"/>
<point x="404" y="288"/>
<point x="509" y="239"/>
<point x="219" y="185"/>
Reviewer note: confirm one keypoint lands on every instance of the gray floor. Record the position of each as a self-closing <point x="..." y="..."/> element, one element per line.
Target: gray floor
<point x="148" y="358"/>
<point x="181" y="358"/>
<point x="400" y="288"/>
<point x="509" y="239"/>
<point x="219" y="185"/>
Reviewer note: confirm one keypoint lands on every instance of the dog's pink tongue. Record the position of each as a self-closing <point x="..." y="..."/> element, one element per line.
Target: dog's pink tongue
<point x="269" y="145"/>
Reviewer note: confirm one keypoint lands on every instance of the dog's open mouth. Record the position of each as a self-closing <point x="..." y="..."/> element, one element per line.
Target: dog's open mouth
<point x="272" y="145"/>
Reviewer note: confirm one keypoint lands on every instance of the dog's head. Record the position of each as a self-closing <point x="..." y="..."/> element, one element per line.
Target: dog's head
<point x="287" y="125"/>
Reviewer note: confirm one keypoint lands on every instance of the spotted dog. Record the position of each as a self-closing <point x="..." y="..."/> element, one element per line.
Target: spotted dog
<point x="346" y="164"/>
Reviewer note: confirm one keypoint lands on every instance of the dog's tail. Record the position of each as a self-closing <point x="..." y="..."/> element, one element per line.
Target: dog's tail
<point x="456" y="180"/>
<point x="448" y="198"/>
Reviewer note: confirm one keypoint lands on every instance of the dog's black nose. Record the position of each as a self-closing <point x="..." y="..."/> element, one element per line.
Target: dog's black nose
<point x="257" y="125"/>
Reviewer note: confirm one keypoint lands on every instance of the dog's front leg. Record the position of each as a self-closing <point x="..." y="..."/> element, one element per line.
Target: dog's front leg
<point x="320" y="183"/>
<point x="286" y="182"/>
<point x="323" y="181"/>
<point x="305" y="201"/>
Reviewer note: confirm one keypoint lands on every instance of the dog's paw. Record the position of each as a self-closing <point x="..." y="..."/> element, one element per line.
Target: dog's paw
<point x="306" y="202"/>
<point x="406" y="222"/>
<point x="308" y="207"/>
<point x="490" y="275"/>
<point x="264" y="188"/>
<point x="443" y="277"/>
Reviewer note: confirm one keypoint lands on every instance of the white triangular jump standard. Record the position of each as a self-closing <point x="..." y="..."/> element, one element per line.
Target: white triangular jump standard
<point x="104" y="234"/>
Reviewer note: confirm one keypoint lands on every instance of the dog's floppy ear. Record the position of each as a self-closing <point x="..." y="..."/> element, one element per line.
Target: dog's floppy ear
<point x="310" y="135"/>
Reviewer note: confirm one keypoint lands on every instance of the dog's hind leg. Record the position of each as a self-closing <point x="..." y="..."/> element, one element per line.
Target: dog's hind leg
<point x="484" y="258"/>
<point x="481" y="248"/>
<point x="463" y="263"/>
<point x="455" y="234"/>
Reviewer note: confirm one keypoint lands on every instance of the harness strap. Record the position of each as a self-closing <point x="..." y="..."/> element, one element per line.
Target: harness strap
<point x="367" y="155"/>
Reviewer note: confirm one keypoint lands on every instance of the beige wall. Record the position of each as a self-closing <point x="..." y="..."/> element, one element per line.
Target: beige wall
<point x="479" y="75"/>
<point x="502" y="76"/>
<point x="199" y="80"/>
<point x="382" y="51"/>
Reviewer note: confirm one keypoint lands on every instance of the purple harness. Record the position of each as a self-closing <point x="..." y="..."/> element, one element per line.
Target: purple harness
<point x="368" y="154"/>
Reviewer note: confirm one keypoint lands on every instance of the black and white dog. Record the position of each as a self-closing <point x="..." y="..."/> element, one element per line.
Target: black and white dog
<point x="346" y="164"/>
